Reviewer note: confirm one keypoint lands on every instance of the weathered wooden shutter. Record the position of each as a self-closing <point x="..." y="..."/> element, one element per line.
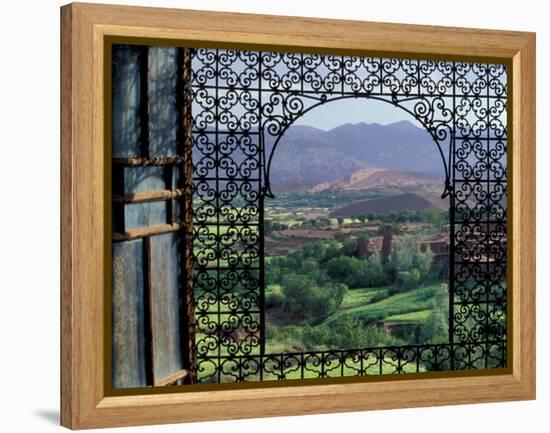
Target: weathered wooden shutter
<point x="152" y="291"/>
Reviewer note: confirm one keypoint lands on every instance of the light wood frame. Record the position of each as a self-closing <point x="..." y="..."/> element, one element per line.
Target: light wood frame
<point x="84" y="27"/>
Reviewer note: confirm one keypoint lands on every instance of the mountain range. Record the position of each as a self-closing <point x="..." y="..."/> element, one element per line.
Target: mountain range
<point x="307" y="156"/>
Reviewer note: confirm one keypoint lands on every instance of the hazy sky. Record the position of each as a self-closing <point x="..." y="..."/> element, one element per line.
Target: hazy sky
<point x="335" y="113"/>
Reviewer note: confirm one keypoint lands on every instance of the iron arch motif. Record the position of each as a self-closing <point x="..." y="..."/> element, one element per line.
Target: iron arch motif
<point x="240" y="97"/>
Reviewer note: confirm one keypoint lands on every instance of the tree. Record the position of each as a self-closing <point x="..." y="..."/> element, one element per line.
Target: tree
<point x="274" y="226"/>
<point x="273" y="272"/>
<point x="297" y="290"/>
<point x="411" y="257"/>
<point x="268" y="226"/>
<point x="362" y="218"/>
<point x="340" y="220"/>
<point x="409" y="266"/>
<point x="323" y="222"/>
<point x="436" y="328"/>
<point x="314" y="249"/>
<point x="363" y="237"/>
<point x="347" y="270"/>
<point x="349" y="247"/>
<point x="391" y="267"/>
<point x="303" y="296"/>
<point x="437" y="218"/>
<point x="423" y="260"/>
<point x="332" y="250"/>
<point x="310" y="266"/>
<point x="375" y="274"/>
<point x="275" y="299"/>
<point x="409" y="279"/>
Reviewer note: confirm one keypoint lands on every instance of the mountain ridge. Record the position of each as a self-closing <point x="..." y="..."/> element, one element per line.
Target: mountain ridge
<point x="308" y="156"/>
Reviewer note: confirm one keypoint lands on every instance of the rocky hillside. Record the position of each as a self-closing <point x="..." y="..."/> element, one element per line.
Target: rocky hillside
<point x="371" y="178"/>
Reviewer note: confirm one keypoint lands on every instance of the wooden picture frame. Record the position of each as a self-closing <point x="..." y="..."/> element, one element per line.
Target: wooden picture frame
<point x="85" y="28"/>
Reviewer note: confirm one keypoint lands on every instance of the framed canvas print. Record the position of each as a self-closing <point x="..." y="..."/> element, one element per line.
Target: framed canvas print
<point x="269" y="216"/>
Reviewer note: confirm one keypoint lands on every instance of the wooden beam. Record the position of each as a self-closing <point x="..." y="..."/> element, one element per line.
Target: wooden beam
<point x="142" y="232"/>
<point x="172" y="378"/>
<point x="145" y="196"/>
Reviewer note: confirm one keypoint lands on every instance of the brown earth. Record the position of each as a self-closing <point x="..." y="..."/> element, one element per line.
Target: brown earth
<point x="368" y="178"/>
<point x="395" y="203"/>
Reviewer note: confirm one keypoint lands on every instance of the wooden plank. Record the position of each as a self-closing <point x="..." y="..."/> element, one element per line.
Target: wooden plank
<point x="128" y="312"/>
<point x="161" y="82"/>
<point x="146" y="196"/>
<point x="126" y="102"/>
<point x="172" y="378"/>
<point x="142" y="209"/>
<point x="521" y="258"/>
<point x="142" y="232"/>
<point x="69" y="380"/>
<point x="256" y="31"/>
<point x="164" y="305"/>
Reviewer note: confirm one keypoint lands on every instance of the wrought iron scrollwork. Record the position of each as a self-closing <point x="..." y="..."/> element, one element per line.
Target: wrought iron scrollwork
<point x="243" y="100"/>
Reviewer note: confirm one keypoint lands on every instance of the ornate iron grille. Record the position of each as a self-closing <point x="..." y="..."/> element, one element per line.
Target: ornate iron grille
<point x="243" y="100"/>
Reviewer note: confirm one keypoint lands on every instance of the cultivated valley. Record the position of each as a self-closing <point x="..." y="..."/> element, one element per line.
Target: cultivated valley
<point x="355" y="258"/>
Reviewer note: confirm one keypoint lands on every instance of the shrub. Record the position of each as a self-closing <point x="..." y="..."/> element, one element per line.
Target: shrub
<point x="315" y="337"/>
<point x="349" y="332"/>
<point x="275" y="300"/>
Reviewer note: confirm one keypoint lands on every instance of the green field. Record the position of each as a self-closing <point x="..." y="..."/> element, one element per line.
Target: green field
<point x="357" y="298"/>
<point x="413" y="317"/>
<point x="408" y="304"/>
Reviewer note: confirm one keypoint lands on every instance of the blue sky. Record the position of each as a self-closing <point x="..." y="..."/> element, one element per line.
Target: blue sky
<point x="342" y="111"/>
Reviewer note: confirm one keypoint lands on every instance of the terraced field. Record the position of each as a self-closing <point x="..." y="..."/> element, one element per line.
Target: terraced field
<point x="407" y="307"/>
